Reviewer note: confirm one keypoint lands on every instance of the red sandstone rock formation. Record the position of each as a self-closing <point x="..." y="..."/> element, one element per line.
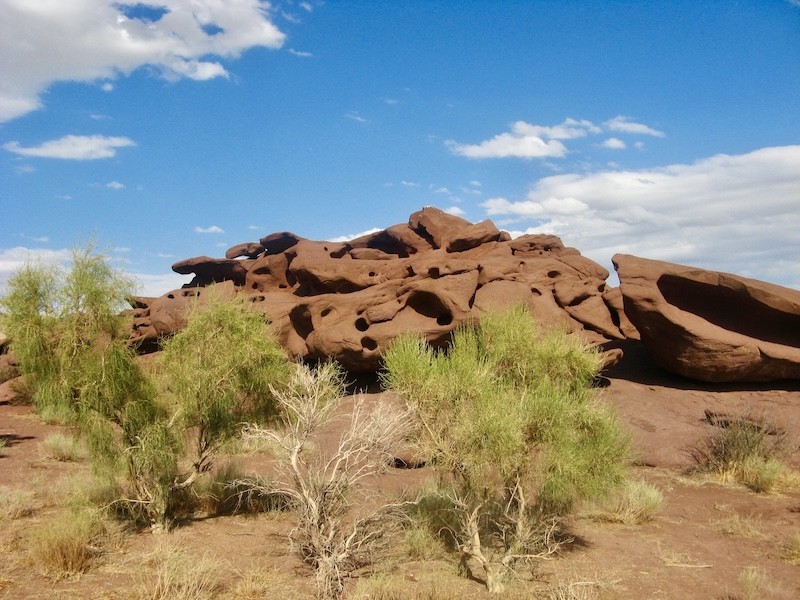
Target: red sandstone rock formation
<point x="712" y="326"/>
<point x="350" y="300"/>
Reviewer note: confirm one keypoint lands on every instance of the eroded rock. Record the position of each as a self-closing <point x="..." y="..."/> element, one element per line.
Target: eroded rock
<point x="712" y="326"/>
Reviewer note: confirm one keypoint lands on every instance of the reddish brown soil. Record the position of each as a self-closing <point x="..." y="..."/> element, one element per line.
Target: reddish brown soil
<point x="705" y="537"/>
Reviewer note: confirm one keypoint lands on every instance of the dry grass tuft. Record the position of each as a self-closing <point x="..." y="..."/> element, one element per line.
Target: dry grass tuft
<point x="791" y="552"/>
<point x="60" y="447"/>
<point x="15" y="503"/>
<point x="68" y="544"/>
<point x="636" y="503"/>
<point x="180" y="576"/>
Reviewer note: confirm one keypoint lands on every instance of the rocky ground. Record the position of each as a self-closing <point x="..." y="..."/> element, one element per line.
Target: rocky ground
<point x="710" y="539"/>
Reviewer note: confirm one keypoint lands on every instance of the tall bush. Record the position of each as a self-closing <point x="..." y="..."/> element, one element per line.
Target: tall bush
<point x="509" y="413"/>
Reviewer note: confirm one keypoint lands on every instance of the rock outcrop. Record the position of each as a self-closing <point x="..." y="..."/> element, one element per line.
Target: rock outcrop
<point x="712" y="326"/>
<point x="349" y="300"/>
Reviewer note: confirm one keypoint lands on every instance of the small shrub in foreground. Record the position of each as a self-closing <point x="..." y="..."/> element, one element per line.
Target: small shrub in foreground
<point x="792" y="551"/>
<point x="67" y="544"/>
<point x="508" y="413"/>
<point x="179" y="576"/>
<point x="15" y="503"/>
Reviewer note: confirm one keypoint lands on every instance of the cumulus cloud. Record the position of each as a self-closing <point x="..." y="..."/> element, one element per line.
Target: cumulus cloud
<point x="74" y="147"/>
<point x="729" y="213"/>
<point x="212" y="229"/>
<point x="347" y="238"/>
<point x="455" y="210"/>
<point x="90" y="40"/>
<point x="626" y="125"/>
<point x="614" y="144"/>
<point x="539" y="141"/>
<point x="115" y="185"/>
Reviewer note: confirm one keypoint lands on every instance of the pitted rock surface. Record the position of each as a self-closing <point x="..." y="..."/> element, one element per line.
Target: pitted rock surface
<point x="349" y="300"/>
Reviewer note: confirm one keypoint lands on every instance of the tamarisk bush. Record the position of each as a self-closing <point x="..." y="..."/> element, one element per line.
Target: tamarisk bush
<point x="508" y="413"/>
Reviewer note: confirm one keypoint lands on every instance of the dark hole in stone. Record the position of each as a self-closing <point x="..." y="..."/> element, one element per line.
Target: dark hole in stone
<point x="254" y="286"/>
<point x="369" y="343"/>
<point x="733" y="310"/>
<point x="171" y="296"/>
<point x="536" y="291"/>
<point x="553" y="274"/>
<point x="429" y="305"/>
<point x="434" y="272"/>
<point x="300" y="317"/>
<point x="601" y="288"/>
<point x="326" y="311"/>
<point x="282" y="286"/>
<point x="372" y="273"/>
<point x="361" y="324"/>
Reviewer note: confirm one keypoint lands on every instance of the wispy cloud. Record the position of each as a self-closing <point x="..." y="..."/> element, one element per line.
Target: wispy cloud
<point x="115" y="185"/>
<point x="74" y="147"/>
<point x="728" y="213"/>
<point x="91" y="40"/>
<point x="356" y="117"/>
<point x="455" y="210"/>
<point x="300" y="53"/>
<point x="13" y="259"/>
<point x="212" y="229"/>
<point x="529" y="141"/>
<point x="626" y="125"/>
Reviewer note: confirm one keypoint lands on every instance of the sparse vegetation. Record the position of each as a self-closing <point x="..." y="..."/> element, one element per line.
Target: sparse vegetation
<point x="15" y="503"/>
<point x="507" y="412"/>
<point x="744" y="449"/>
<point x="180" y="576"/>
<point x="792" y="550"/>
<point x="321" y="484"/>
<point x="636" y="502"/>
<point x="68" y="543"/>
<point x="60" y="447"/>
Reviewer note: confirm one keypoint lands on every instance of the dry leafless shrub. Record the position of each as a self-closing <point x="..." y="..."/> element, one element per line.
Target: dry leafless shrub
<point x="321" y="485"/>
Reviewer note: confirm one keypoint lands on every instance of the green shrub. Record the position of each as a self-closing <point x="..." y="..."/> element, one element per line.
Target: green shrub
<point x="745" y="449"/>
<point x="508" y="411"/>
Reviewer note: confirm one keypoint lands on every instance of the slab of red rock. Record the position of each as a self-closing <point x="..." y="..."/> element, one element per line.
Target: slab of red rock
<point x="712" y="326"/>
<point x="349" y="300"/>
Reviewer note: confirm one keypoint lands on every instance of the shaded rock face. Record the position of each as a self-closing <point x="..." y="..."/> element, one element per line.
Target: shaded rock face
<point x="349" y="300"/>
<point x="712" y="326"/>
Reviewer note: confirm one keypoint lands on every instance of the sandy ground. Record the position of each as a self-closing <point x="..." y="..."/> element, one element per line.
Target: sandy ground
<point x="704" y="542"/>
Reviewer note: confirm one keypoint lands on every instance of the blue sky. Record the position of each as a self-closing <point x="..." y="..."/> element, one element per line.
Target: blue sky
<point x="179" y="128"/>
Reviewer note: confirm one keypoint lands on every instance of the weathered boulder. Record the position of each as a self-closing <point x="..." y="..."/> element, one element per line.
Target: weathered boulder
<point x="712" y="326"/>
<point x="349" y="300"/>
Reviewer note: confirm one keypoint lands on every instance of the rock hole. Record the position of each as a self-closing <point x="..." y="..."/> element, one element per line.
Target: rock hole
<point x="369" y="343"/>
<point x="444" y="319"/>
<point x="171" y="296"/>
<point x="300" y="318"/>
<point x="326" y="311"/>
<point x="361" y="324"/>
<point x="282" y="286"/>
<point x="254" y="286"/>
<point x="536" y="291"/>
<point x="434" y="273"/>
<point x="553" y="274"/>
<point x="372" y="273"/>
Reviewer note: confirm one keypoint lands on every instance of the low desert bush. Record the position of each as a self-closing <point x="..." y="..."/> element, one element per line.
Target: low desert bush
<point x="67" y="544"/>
<point x="744" y="449"/>
<point x="508" y="413"/>
<point x="60" y="447"/>
<point x="753" y="582"/>
<point x="792" y="550"/>
<point x="635" y="503"/>
<point x="16" y="503"/>
<point x="180" y="576"/>
<point x="3" y="444"/>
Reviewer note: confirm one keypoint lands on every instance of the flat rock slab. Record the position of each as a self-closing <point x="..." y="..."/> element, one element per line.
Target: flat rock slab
<point x="712" y="326"/>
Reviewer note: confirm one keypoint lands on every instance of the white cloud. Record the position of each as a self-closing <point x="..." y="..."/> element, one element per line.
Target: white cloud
<point x="88" y="40"/>
<point x="441" y="190"/>
<point x="212" y="229"/>
<point x="409" y="183"/>
<point x="355" y="117"/>
<point x="455" y="210"/>
<point x="727" y="213"/>
<point x="115" y="185"/>
<point x="524" y="141"/>
<point x="300" y="53"/>
<point x="614" y="143"/>
<point x="347" y="238"/>
<point x="626" y="125"/>
<point x="475" y="183"/>
<point x="255" y="227"/>
<point x="74" y="147"/>
<point x="108" y="87"/>
<point x="307" y="6"/>
<point x="153" y="286"/>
